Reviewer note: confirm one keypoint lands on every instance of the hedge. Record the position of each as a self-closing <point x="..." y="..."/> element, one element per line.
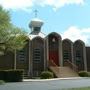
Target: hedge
<point x="84" y="74"/>
<point x="46" y="75"/>
<point x="11" y="75"/>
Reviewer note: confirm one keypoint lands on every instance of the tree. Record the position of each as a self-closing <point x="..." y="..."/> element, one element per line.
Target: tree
<point x="12" y="38"/>
<point x="4" y="19"/>
<point x="4" y="26"/>
<point x="16" y="39"/>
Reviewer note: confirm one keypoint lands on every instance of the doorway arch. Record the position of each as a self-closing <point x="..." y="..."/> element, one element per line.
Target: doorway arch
<point x="54" y="43"/>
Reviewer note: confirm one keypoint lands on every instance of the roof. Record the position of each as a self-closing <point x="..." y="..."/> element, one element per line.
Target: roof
<point x="33" y="35"/>
<point x="35" y="23"/>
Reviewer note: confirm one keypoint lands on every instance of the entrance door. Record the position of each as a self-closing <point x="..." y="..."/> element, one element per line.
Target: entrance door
<point x="53" y="43"/>
<point x="53" y="57"/>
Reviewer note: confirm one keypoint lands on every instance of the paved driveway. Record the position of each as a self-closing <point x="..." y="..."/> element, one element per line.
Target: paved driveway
<point x="47" y="85"/>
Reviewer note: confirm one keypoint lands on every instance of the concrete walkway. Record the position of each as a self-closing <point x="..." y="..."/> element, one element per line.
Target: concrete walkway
<point x="72" y="78"/>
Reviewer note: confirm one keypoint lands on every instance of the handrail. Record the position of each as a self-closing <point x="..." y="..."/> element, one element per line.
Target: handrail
<point x="73" y="66"/>
<point x="52" y="63"/>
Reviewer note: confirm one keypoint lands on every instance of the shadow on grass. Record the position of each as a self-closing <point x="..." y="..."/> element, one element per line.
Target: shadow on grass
<point x="82" y="88"/>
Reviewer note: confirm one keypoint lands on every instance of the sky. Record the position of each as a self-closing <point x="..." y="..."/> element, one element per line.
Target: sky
<point x="69" y="18"/>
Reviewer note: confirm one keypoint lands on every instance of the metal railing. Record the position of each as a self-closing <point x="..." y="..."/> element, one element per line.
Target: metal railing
<point x="69" y="64"/>
<point x="72" y="66"/>
<point x="52" y="63"/>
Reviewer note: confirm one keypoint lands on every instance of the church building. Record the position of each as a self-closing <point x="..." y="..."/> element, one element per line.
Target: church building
<point x="45" y="51"/>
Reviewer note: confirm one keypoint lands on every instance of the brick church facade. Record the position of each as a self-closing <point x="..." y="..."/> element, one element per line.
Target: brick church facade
<point x="43" y="51"/>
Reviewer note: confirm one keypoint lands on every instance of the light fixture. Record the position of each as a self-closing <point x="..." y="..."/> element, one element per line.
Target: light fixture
<point x="53" y="40"/>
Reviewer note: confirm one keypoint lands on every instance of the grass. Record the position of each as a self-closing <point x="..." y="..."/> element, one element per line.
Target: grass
<point x="84" y="88"/>
<point x="1" y="82"/>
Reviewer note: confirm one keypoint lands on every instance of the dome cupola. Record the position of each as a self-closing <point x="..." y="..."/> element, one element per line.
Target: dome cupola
<point x="36" y="24"/>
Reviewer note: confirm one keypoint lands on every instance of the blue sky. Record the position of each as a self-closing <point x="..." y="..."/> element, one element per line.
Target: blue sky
<point x="69" y="18"/>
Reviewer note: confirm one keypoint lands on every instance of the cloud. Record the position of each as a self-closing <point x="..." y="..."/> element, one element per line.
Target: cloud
<point x="27" y="4"/>
<point x="74" y="33"/>
<point x="16" y="4"/>
<point x="56" y="4"/>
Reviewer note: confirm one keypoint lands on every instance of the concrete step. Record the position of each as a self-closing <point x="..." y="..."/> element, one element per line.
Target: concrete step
<point x="63" y="72"/>
<point x="25" y="75"/>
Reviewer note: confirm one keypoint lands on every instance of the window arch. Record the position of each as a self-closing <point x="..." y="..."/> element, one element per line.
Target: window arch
<point x="79" y="54"/>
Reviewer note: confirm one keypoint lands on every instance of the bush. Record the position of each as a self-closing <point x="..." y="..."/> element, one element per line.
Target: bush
<point x="14" y="75"/>
<point x="11" y="75"/>
<point x="83" y="74"/>
<point x="46" y="75"/>
<point x="2" y="73"/>
<point x="88" y="74"/>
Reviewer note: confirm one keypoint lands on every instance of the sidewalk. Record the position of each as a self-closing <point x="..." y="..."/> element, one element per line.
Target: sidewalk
<point x="31" y="80"/>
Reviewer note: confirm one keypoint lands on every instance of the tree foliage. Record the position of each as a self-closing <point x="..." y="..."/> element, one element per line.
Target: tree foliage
<point x="11" y="37"/>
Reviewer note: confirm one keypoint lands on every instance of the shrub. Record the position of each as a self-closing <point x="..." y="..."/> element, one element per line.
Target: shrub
<point x="88" y="74"/>
<point x="2" y="75"/>
<point x="14" y="75"/>
<point x="11" y="75"/>
<point x="83" y="74"/>
<point x="46" y="75"/>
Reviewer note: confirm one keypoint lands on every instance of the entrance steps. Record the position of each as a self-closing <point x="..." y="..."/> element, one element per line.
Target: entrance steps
<point x="25" y="75"/>
<point x="63" y="72"/>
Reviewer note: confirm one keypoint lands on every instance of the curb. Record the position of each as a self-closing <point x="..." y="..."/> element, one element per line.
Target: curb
<point x="39" y="80"/>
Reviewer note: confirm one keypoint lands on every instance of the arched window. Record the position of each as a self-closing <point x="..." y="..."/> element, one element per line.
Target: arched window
<point x="79" y="54"/>
<point x="37" y="56"/>
<point x="67" y="50"/>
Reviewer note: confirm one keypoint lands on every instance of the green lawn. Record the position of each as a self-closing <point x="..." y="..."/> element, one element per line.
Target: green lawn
<point x="1" y="82"/>
<point x="85" y="88"/>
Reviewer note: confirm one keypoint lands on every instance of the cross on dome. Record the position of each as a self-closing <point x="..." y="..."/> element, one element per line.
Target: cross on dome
<point x="36" y="23"/>
<point x="36" y="11"/>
